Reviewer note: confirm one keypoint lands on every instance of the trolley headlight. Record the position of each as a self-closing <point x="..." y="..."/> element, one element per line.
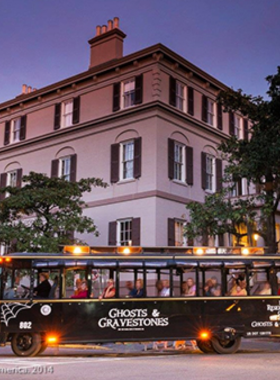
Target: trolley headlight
<point x="204" y="335"/>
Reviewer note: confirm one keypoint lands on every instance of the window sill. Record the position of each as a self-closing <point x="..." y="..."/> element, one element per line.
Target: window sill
<point x="123" y="181"/>
<point x="182" y="183"/>
<point x="209" y="191"/>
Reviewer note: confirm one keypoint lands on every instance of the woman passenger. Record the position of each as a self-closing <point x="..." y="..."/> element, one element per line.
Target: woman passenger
<point x="82" y="292"/>
<point x="109" y="291"/>
<point x="191" y="287"/>
<point x="266" y="289"/>
<point x="138" y="291"/>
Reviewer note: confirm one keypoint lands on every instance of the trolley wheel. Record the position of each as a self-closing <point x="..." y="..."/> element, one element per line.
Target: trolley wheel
<point x="26" y="344"/>
<point x="205" y="346"/>
<point x="225" y="346"/>
<point x="44" y="346"/>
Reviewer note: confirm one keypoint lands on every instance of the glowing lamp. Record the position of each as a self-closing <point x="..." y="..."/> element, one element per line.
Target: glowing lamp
<point x="204" y="335"/>
<point x="255" y="237"/>
<point x="245" y="251"/>
<point x="76" y="249"/>
<point x="198" y="251"/>
<point x="52" y="339"/>
<point x="127" y="250"/>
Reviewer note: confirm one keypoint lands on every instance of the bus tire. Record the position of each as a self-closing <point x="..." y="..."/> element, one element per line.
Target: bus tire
<point x="225" y="346"/>
<point x="205" y="346"/>
<point x="26" y="344"/>
<point x="44" y="346"/>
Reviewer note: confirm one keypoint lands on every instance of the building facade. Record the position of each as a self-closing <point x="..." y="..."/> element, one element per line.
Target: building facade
<point x="148" y="124"/>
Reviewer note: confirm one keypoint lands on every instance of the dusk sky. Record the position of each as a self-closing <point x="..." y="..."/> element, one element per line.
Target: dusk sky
<point x="45" y="41"/>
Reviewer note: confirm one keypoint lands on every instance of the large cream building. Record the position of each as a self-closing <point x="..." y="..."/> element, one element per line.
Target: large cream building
<point x="147" y="123"/>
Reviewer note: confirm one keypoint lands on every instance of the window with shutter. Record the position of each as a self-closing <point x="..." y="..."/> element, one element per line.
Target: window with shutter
<point x="171" y="150"/>
<point x="138" y="89"/>
<point x="171" y="232"/>
<point x="23" y="127"/>
<point x="54" y="168"/>
<point x="3" y="183"/>
<point x="180" y="239"/>
<point x="76" y="110"/>
<point x="190" y="101"/>
<point x="73" y="168"/>
<point x="137" y="157"/>
<point x="124" y="231"/>
<point x="172" y="91"/>
<point x="115" y="160"/>
<point x="127" y="149"/>
<point x="189" y="166"/>
<point x="203" y="170"/>
<point x="219" y="116"/>
<point x="112" y="233"/>
<point x="136" y="231"/>
<point x="116" y="96"/>
<point x="57" y="116"/>
<point x="219" y="174"/>
<point x="204" y="108"/>
<point x="211" y="174"/>
<point x="246" y="130"/>
<point x="67" y="113"/>
<point x="19" y="178"/>
<point x="231" y="123"/>
<point x="7" y="133"/>
<point x="180" y="162"/>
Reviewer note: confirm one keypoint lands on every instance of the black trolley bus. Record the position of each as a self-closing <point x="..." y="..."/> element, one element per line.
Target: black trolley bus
<point x="234" y="295"/>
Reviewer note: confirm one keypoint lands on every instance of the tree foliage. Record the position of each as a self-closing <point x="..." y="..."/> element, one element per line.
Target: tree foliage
<point x="44" y="213"/>
<point x="219" y="215"/>
<point x="258" y="159"/>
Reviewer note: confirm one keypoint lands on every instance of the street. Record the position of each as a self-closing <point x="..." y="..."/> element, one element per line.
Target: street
<point x="256" y="358"/>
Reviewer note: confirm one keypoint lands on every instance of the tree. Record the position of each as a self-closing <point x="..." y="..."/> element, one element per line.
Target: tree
<point x="219" y="214"/>
<point x="258" y="157"/>
<point x="43" y="214"/>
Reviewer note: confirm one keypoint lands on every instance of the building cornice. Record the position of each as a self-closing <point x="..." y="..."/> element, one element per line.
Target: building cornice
<point x="156" y="52"/>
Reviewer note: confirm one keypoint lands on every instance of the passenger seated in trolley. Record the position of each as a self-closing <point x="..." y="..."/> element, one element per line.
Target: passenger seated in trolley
<point x="82" y="290"/>
<point x="165" y="292"/>
<point x="138" y="291"/>
<point x="239" y="286"/>
<point x="109" y="291"/>
<point x="265" y="289"/>
<point x="16" y="291"/>
<point x="191" y="287"/>
<point x="43" y="289"/>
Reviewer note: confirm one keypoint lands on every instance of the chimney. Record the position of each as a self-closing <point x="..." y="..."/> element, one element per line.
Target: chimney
<point x="24" y="89"/>
<point x="107" y="44"/>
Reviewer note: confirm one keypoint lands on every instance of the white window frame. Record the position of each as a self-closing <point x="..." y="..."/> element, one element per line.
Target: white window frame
<point x="210" y="173"/>
<point x="126" y="160"/>
<point x="12" y="178"/>
<point x="15" y="130"/>
<point x="210" y="112"/>
<point x="128" y="95"/>
<point x="180" y="239"/>
<point x="181" y="96"/>
<point x="67" y="113"/>
<point x="179" y="165"/>
<point x="122" y="230"/>
<point x="65" y="167"/>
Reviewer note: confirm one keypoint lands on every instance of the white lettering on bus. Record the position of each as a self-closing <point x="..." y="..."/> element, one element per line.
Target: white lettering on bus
<point x="132" y="319"/>
<point x="262" y="324"/>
